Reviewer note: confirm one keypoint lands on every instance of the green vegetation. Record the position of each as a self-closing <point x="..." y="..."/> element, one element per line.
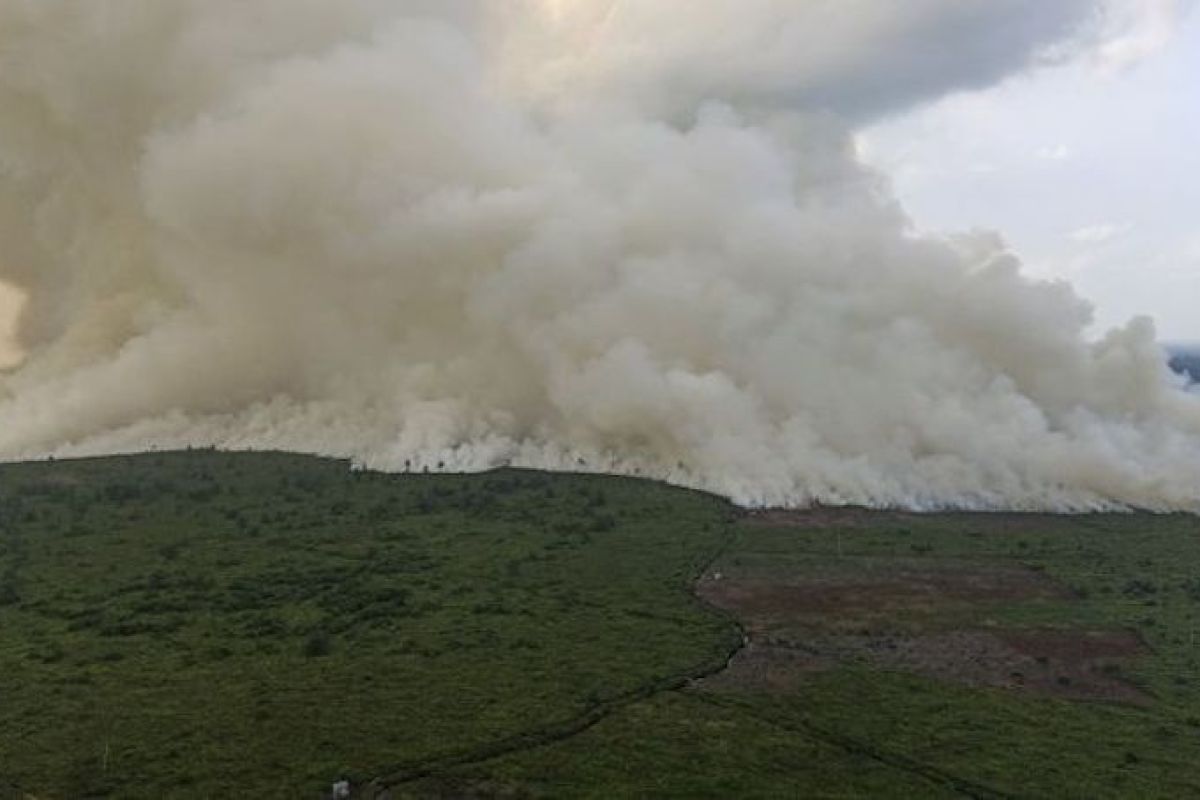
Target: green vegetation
<point x="184" y="624"/>
<point x="203" y="624"/>
<point x="855" y="730"/>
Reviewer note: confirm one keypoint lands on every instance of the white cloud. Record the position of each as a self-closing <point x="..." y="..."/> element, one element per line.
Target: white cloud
<point x="1139" y="29"/>
<point x="1191" y="250"/>
<point x="1058" y="152"/>
<point x="1097" y="234"/>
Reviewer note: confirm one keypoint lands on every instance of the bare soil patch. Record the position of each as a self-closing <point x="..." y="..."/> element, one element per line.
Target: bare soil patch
<point x="922" y="616"/>
<point x="908" y="588"/>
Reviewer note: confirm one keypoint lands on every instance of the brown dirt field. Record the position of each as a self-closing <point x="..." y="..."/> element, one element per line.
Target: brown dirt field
<point x="895" y="617"/>
<point x="901" y="589"/>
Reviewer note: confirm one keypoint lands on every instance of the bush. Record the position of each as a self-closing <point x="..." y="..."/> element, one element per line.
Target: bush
<point x="1140" y="588"/>
<point x="318" y="645"/>
<point x="603" y="523"/>
<point x="1192" y="589"/>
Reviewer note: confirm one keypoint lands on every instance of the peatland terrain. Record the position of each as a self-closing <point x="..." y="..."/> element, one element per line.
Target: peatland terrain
<point x="201" y="624"/>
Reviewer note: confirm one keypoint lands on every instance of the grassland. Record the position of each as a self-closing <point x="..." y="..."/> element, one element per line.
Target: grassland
<point x="203" y="624"/>
<point x="857" y="727"/>
<point x="192" y="624"/>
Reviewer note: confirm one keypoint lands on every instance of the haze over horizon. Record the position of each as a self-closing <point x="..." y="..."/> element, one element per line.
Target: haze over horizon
<point x="642" y="237"/>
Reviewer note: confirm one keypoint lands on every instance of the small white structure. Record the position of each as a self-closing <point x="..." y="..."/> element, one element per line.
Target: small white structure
<point x="341" y="790"/>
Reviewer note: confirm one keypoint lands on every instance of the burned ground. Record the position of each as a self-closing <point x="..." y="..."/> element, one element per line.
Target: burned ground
<point x="931" y="617"/>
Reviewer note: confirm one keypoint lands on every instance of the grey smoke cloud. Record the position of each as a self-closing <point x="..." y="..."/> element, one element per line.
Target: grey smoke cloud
<point x="856" y="58"/>
<point x="471" y="234"/>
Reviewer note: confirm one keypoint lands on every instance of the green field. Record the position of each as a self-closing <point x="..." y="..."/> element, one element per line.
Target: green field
<point x="203" y="624"/>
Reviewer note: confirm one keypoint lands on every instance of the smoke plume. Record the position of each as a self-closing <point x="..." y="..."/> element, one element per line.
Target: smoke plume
<point x="588" y="234"/>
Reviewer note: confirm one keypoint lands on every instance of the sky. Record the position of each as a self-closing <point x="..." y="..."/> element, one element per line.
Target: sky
<point x="1089" y="170"/>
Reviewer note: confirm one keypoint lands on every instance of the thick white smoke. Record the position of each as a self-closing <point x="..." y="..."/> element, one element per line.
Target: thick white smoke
<point x="628" y="236"/>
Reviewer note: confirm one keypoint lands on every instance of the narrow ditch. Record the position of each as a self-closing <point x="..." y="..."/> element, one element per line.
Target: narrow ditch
<point x="964" y="786"/>
<point x="380" y="787"/>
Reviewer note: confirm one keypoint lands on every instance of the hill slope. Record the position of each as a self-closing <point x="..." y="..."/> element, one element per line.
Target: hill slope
<point x="184" y="624"/>
<point x="198" y="624"/>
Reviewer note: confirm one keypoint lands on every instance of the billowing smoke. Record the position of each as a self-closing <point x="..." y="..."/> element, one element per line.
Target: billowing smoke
<point x="626" y="235"/>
